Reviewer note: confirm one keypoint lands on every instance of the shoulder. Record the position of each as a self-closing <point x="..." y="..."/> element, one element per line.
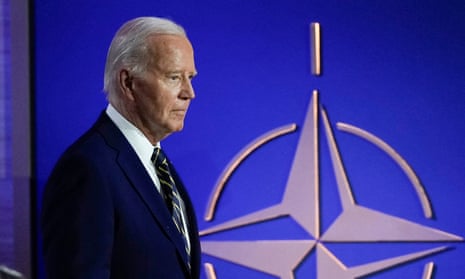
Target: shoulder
<point x="93" y="145"/>
<point x="89" y="154"/>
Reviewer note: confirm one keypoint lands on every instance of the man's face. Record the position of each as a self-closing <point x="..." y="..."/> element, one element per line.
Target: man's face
<point x="163" y="93"/>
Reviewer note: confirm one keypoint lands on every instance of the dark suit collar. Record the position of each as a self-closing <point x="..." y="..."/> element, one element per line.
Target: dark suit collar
<point x="130" y="164"/>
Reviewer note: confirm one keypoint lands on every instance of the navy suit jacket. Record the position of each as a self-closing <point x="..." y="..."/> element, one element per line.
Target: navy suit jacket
<point x="102" y="216"/>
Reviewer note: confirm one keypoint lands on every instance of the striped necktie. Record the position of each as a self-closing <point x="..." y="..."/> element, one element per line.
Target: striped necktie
<point x="170" y="195"/>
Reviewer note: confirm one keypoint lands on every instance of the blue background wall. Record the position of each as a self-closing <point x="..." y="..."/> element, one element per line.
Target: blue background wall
<point x="394" y="68"/>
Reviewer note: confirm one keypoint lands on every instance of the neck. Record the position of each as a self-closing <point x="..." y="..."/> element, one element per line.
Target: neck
<point x="132" y="117"/>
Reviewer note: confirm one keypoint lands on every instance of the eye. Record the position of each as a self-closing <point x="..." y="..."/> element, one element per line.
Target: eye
<point x="192" y="76"/>
<point x="174" y="77"/>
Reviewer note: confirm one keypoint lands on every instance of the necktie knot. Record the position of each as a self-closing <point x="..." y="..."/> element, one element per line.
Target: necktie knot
<point x="158" y="157"/>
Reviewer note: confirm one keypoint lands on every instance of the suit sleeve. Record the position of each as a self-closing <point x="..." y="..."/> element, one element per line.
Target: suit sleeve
<point x="77" y="220"/>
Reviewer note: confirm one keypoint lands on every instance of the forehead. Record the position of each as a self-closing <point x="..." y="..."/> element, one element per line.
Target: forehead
<point x="169" y="47"/>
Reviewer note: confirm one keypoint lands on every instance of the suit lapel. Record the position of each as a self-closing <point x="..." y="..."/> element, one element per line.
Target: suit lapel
<point x="130" y="164"/>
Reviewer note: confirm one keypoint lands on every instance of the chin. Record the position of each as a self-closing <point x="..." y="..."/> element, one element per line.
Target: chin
<point x="177" y="128"/>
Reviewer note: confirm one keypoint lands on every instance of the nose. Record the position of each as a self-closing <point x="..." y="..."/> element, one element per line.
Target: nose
<point x="187" y="90"/>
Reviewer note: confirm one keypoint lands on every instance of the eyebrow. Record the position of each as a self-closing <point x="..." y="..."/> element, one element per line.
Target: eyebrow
<point x="194" y="73"/>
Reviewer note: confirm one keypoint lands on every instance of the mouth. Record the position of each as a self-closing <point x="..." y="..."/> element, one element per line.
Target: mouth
<point x="179" y="112"/>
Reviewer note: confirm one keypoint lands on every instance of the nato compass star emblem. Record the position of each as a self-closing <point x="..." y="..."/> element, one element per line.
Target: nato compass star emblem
<point x="300" y="202"/>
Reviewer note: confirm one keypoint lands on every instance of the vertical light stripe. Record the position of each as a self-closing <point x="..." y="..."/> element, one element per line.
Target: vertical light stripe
<point x="315" y="48"/>
<point x="428" y="271"/>
<point x="6" y="186"/>
<point x="210" y="271"/>
<point x="4" y="82"/>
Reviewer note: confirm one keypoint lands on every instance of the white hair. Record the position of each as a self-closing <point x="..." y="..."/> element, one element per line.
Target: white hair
<point x="129" y="48"/>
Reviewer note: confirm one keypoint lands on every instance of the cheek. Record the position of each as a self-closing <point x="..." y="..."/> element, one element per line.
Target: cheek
<point x="159" y="108"/>
<point x="150" y="109"/>
<point x="157" y="101"/>
<point x="165" y="102"/>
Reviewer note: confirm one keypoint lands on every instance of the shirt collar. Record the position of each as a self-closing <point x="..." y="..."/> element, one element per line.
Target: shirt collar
<point x="136" y="138"/>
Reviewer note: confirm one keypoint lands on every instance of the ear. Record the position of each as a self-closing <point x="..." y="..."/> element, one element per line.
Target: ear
<point x="125" y="82"/>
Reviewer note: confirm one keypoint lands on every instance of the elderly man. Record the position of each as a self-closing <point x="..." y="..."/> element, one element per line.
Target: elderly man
<point x="114" y="206"/>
